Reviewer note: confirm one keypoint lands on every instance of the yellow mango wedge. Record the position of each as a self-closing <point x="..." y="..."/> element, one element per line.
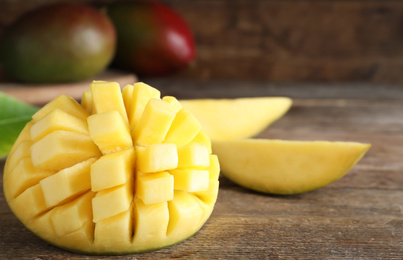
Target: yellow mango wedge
<point x="286" y="167"/>
<point x="228" y="119"/>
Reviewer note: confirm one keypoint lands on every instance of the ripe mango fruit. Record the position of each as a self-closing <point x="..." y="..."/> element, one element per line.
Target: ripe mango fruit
<point x="58" y="43"/>
<point x="152" y="39"/>
<point x="230" y="119"/>
<point x="286" y="167"/>
<point x="123" y="172"/>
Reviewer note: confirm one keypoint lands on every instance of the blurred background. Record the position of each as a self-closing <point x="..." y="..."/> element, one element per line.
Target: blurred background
<point x="276" y="41"/>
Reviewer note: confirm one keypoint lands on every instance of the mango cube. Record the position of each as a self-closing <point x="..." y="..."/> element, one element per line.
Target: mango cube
<point x="42" y="224"/>
<point x="193" y="155"/>
<point x="185" y="212"/>
<point x="190" y="180"/>
<point x="115" y="232"/>
<point x="112" y="170"/>
<point x="72" y="215"/>
<point x="33" y="196"/>
<point x="109" y="132"/>
<point x="57" y="120"/>
<point x="141" y="94"/>
<point x="62" y="149"/>
<point x="25" y="175"/>
<point x="83" y="237"/>
<point x="156" y="157"/>
<point x="64" y="103"/>
<point x="155" y="187"/>
<point x="127" y="93"/>
<point x="110" y="202"/>
<point x="67" y="183"/>
<point x="151" y="223"/>
<point x="107" y="97"/>
<point x="156" y="113"/>
<point x="184" y="128"/>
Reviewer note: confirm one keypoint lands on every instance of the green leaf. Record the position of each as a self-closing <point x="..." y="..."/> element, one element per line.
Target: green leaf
<point x="14" y="115"/>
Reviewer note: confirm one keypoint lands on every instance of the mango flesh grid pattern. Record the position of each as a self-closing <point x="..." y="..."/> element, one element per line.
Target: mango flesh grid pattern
<point x="124" y="172"/>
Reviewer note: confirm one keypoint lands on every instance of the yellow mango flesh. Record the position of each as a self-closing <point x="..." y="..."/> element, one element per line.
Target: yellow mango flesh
<point x="137" y="97"/>
<point x="115" y="232"/>
<point x="157" y="158"/>
<point x="193" y="155"/>
<point x="151" y="224"/>
<point x="107" y="97"/>
<point x="286" y="167"/>
<point x="109" y="132"/>
<point x="112" y="170"/>
<point x="110" y="202"/>
<point x="184" y="128"/>
<point x="112" y="175"/>
<point x="154" y="187"/>
<point x="57" y="120"/>
<point x="77" y="211"/>
<point x="62" y="149"/>
<point x="174" y="102"/>
<point x="64" y="103"/>
<point x="67" y="183"/>
<point x="25" y="175"/>
<point x="156" y="112"/>
<point x="229" y="119"/>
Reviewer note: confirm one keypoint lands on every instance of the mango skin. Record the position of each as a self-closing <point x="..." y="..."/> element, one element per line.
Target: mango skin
<point x="58" y="43"/>
<point x="153" y="40"/>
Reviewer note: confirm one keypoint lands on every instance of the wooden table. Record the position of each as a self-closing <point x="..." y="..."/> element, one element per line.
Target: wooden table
<point x="358" y="217"/>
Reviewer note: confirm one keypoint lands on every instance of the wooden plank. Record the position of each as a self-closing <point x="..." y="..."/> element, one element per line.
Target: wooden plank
<point x="293" y="41"/>
<point x="313" y="238"/>
<point x="284" y="41"/>
<point x="248" y="224"/>
<point x="333" y="201"/>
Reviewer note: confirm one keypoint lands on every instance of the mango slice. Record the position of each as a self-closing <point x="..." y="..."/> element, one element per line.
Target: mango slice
<point x="286" y="167"/>
<point x="123" y="172"/>
<point x="229" y="119"/>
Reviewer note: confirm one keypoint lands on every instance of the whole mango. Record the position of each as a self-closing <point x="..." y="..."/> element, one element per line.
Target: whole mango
<point x="58" y="43"/>
<point x="152" y="39"/>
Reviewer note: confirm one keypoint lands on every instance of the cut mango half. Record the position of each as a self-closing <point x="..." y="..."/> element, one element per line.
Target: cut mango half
<point x="286" y="167"/>
<point x="229" y="119"/>
<point x="123" y="172"/>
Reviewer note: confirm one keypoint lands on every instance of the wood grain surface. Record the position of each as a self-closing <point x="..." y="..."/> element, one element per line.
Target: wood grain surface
<point x="294" y="41"/>
<point x="282" y="41"/>
<point x="357" y="217"/>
